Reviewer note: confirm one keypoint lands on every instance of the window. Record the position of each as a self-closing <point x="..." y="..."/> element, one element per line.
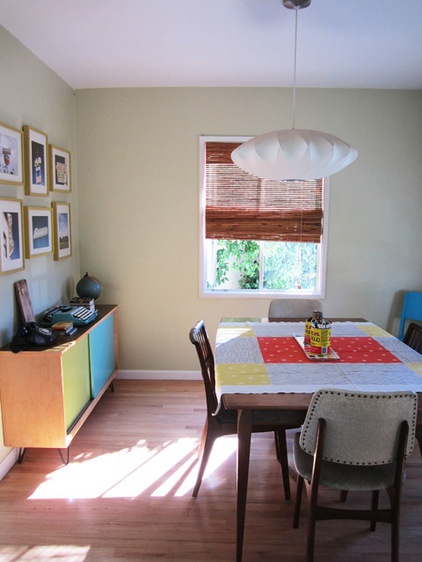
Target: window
<point x="259" y="237"/>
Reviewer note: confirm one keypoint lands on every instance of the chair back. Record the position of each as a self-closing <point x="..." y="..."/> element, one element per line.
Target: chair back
<point x="412" y="310"/>
<point x="199" y="337"/>
<point x="413" y="337"/>
<point x="293" y="308"/>
<point x="362" y="428"/>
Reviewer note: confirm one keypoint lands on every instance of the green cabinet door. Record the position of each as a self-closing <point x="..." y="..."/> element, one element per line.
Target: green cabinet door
<point x="102" y="354"/>
<point x="76" y="380"/>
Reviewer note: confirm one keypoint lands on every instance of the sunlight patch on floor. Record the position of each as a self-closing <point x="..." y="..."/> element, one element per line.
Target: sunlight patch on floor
<point x="223" y="448"/>
<point x="170" y="469"/>
<point x="70" y="553"/>
<point x="150" y="473"/>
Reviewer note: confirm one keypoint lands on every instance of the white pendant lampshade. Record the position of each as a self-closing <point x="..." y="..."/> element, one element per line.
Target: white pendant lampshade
<point x="294" y="154"/>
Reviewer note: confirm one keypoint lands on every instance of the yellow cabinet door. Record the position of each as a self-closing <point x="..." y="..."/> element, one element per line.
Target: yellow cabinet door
<point x="76" y="381"/>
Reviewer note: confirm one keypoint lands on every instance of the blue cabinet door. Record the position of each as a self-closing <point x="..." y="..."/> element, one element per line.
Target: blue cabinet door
<point x="102" y="354"/>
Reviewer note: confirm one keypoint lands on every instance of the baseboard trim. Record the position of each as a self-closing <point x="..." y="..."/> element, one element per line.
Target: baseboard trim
<point x="7" y="463"/>
<point x="159" y="375"/>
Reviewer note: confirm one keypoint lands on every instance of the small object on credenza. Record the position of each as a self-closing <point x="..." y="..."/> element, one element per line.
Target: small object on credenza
<point x="63" y="328"/>
<point x="89" y="286"/>
<point x="24" y="301"/>
<point x="86" y="302"/>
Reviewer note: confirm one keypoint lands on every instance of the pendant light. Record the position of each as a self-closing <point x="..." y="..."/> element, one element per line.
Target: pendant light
<point x="294" y="154"/>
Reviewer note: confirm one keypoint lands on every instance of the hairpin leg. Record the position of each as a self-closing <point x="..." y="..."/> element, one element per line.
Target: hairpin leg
<point x="21" y="454"/>
<point x="65" y="461"/>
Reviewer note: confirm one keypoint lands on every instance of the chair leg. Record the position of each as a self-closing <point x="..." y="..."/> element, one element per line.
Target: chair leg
<point x="395" y="534"/>
<point x="343" y="495"/>
<point x="299" y="490"/>
<point x="314" y="487"/>
<point x="203" y="440"/>
<point x="394" y="497"/>
<point x="282" y="456"/>
<point x="419" y="439"/>
<point x="374" y="507"/>
<point x="313" y="501"/>
<point x="206" y="446"/>
<point x="277" y="446"/>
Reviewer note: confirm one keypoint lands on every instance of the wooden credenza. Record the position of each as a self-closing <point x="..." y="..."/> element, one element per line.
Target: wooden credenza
<point x="46" y="394"/>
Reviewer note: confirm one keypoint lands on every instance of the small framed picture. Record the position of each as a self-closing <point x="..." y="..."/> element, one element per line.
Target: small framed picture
<point x="38" y="231"/>
<point x="36" y="177"/>
<point x="62" y="231"/>
<point x="11" y="161"/>
<point x="59" y="160"/>
<point x="11" y="257"/>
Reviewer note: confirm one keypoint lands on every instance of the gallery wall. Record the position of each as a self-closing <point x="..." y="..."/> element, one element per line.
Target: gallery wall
<point x="31" y="94"/>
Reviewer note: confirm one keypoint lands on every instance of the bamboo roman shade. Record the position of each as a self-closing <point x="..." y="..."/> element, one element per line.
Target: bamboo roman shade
<point x="240" y="206"/>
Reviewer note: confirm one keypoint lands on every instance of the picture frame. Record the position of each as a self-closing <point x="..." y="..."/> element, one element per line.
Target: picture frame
<point x="11" y="230"/>
<point x="11" y="155"/>
<point x="59" y="166"/>
<point x="38" y="231"/>
<point x="62" y="230"/>
<point x="36" y="161"/>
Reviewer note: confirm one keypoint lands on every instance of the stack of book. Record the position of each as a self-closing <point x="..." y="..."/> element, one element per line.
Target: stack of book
<point x="63" y="328"/>
<point x="83" y="301"/>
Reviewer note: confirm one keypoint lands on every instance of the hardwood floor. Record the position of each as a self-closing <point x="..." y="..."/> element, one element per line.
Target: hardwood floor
<point x="126" y="494"/>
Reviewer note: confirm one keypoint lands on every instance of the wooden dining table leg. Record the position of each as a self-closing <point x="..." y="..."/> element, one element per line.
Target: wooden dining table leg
<point x="244" y="430"/>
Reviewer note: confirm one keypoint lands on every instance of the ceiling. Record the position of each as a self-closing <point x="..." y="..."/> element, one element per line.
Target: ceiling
<point x="141" y="43"/>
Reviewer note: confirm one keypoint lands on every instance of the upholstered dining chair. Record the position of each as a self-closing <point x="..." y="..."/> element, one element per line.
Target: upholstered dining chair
<point x="411" y="310"/>
<point x="354" y="440"/>
<point x="224" y="422"/>
<point x="293" y="308"/>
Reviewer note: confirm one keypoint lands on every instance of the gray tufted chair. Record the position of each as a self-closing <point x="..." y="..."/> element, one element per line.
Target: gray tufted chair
<point x="293" y="308"/>
<point x="355" y="441"/>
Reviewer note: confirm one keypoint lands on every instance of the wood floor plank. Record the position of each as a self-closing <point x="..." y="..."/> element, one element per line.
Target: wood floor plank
<point x="126" y="494"/>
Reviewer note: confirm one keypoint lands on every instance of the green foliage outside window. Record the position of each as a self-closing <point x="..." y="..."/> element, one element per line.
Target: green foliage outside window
<point x="290" y="265"/>
<point x="287" y="265"/>
<point x="241" y="255"/>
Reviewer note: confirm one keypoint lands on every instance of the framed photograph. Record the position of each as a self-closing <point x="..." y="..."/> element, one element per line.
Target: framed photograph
<point x="11" y="161"/>
<point x="62" y="231"/>
<point x="59" y="160"/>
<point x="36" y="177"/>
<point x="38" y="231"/>
<point x="11" y="257"/>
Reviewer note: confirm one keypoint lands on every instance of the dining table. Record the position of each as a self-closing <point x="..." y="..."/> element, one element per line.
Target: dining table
<point x="263" y="369"/>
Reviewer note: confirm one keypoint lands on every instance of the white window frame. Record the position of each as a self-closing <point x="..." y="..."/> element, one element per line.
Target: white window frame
<point x="319" y="292"/>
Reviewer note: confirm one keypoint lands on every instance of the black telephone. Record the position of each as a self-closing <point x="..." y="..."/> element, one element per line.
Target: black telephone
<point x="31" y="334"/>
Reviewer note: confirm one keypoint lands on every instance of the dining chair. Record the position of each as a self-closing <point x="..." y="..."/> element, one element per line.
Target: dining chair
<point x="411" y="310"/>
<point x="293" y="308"/>
<point x="413" y="336"/>
<point x="220" y="421"/>
<point x="354" y="440"/>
